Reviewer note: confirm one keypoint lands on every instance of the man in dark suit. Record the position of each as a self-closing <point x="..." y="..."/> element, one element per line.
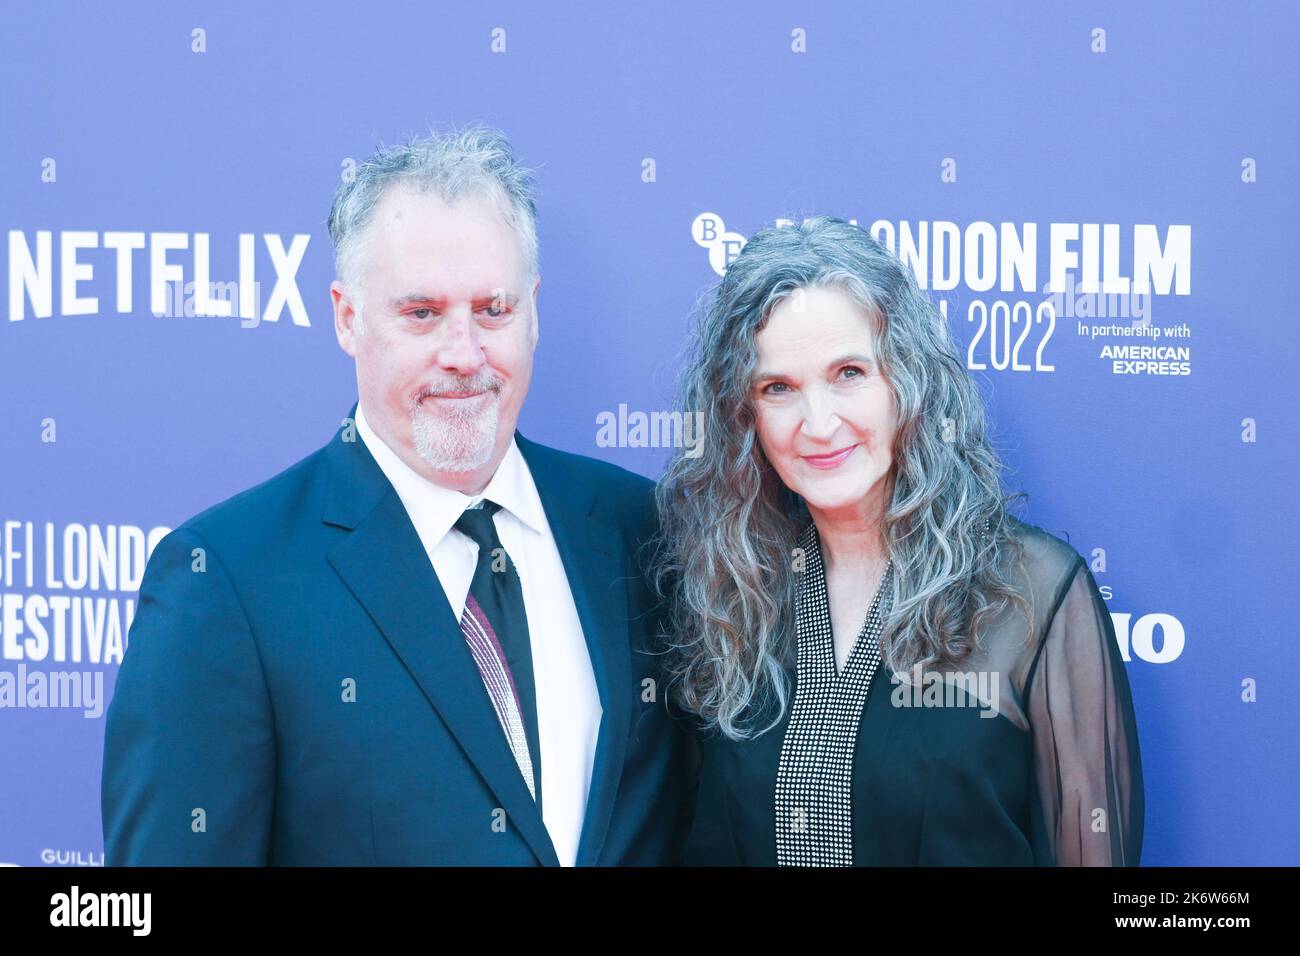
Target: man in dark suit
<point x="431" y="641"/>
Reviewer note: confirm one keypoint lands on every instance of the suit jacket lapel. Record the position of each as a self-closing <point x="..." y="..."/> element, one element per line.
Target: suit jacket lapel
<point x="385" y="566"/>
<point x="598" y="575"/>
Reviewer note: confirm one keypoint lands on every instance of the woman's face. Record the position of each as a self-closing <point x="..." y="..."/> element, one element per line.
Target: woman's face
<point x="825" y="415"/>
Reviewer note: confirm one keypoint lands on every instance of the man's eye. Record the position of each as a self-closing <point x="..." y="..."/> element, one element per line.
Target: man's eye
<point x="417" y="313"/>
<point x="494" y="311"/>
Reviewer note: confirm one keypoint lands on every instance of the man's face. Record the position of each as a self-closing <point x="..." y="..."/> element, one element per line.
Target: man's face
<point x="444" y="348"/>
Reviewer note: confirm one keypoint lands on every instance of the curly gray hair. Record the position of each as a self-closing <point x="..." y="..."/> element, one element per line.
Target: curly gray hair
<point x="723" y="559"/>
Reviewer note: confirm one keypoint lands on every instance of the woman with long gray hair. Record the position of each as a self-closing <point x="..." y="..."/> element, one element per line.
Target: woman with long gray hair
<point x="880" y="663"/>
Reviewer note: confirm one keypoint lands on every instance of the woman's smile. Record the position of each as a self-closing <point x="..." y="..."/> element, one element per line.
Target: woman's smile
<point x="831" y="460"/>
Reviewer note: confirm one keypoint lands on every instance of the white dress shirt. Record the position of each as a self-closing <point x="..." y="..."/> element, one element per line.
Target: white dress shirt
<point x="568" y="702"/>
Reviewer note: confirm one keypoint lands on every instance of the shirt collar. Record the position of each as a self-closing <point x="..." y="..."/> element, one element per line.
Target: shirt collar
<point x="437" y="507"/>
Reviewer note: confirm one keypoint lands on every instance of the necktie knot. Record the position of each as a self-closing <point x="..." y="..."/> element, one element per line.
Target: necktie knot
<point x="478" y="526"/>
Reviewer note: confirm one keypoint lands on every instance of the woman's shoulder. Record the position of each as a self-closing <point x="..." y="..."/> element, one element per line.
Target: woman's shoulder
<point x="1046" y="564"/>
<point x="1044" y="548"/>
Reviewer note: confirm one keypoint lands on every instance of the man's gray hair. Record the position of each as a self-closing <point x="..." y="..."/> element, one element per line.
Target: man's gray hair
<point x="475" y="160"/>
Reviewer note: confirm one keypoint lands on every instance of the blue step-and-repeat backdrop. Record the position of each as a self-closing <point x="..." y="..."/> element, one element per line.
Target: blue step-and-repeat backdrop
<point x="1102" y="197"/>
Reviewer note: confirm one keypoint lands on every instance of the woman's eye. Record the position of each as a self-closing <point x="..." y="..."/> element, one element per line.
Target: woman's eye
<point x="857" y="372"/>
<point x="771" y="388"/>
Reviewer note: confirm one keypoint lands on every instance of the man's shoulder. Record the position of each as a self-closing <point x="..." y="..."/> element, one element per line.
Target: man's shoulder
<point x="265" y="509"/>
<point x="624" y="499"/>
<point x="603" y="476"/>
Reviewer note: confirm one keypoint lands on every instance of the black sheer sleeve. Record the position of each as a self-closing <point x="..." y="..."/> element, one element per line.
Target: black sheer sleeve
<point x="1086" y="760"/>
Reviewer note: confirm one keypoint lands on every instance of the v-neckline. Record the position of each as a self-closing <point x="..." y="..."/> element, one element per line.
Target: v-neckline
<point x="837" y="675"/>
<point x="855" y="650"/>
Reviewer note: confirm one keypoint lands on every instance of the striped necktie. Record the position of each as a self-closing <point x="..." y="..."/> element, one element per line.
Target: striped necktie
<point x="495" y="626"/>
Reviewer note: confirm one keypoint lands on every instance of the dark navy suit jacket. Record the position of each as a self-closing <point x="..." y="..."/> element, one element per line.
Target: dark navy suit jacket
<point x="296" y="689"/>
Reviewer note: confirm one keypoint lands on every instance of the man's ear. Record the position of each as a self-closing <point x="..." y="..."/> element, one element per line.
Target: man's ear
<point x="345" y="318"/>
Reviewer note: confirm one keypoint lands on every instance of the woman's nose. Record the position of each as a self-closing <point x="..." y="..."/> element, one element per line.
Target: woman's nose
<point x="819" y="417"/>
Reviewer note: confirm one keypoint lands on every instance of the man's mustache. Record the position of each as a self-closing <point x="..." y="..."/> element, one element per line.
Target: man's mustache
<point x="476" y="385"/>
